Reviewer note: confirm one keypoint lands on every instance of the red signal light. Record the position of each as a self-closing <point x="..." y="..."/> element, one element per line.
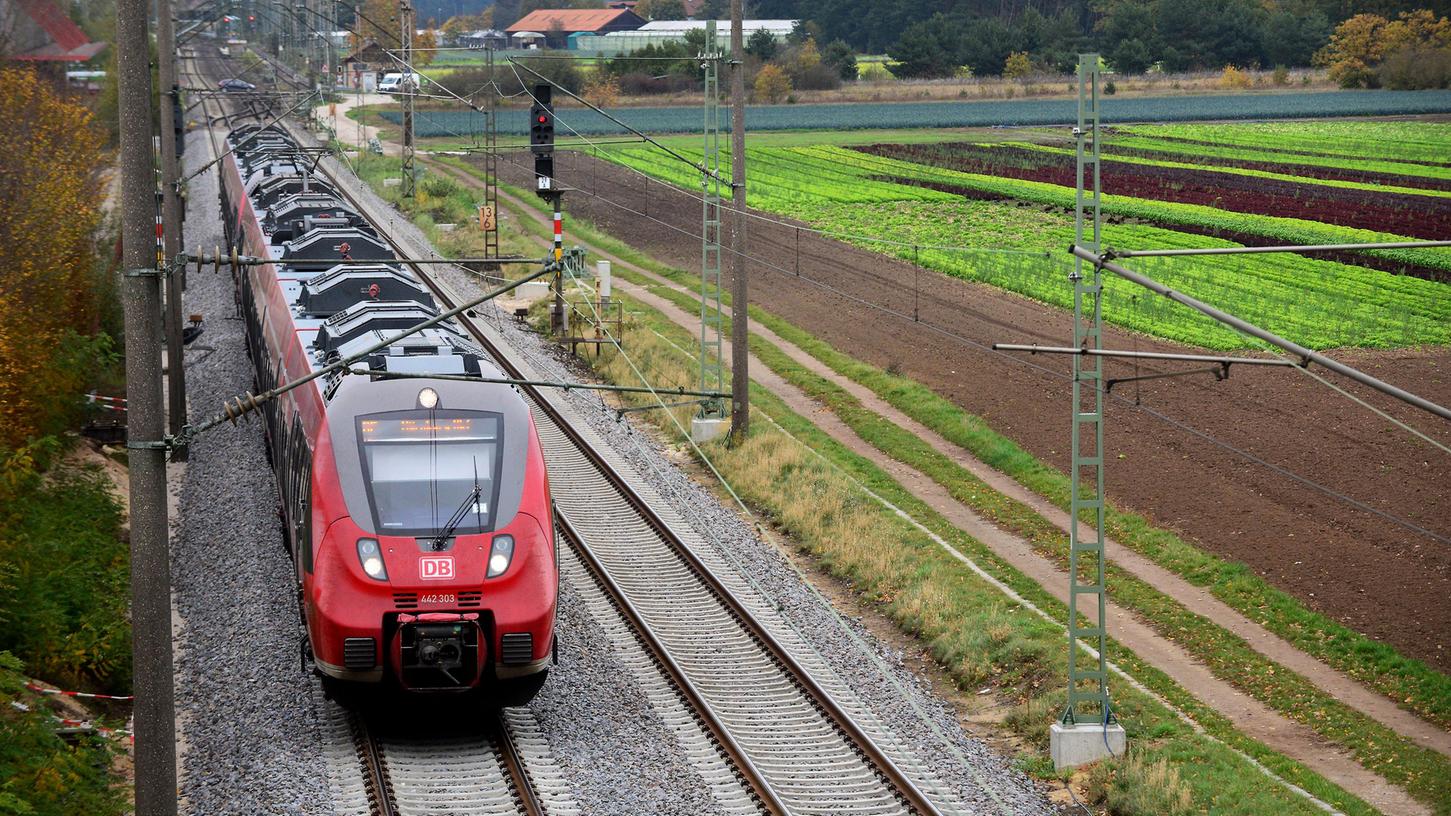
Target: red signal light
<point x="251" y="18"/>
<point x="543" y="119"/>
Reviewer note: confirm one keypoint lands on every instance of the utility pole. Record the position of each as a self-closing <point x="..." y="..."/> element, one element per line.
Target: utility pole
<point x="171" y="218"/>
<point x="405" y="17"/>
<point x="141" y="298"/>
<point x="740" y="301"/>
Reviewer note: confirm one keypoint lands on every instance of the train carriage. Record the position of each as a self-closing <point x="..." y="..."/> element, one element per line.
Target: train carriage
<point x="417" y="509"/>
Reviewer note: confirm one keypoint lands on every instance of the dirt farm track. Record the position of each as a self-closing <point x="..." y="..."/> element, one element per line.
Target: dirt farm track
<point x="1358" y="567"/>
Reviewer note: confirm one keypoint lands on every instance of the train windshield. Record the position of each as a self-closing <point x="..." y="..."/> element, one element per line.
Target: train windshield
<point x="426" y="469"/>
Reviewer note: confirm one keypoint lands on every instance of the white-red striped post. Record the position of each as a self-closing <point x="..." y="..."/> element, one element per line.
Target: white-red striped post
<point x="559" y="319"/>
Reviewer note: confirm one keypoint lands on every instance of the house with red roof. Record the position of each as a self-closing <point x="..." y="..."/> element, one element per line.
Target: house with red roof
<point x="557" y="24"/>
<point x="37" y="31"/>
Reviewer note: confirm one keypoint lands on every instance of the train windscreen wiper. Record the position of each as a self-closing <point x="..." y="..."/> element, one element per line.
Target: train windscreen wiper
<point x="441" y="540"/>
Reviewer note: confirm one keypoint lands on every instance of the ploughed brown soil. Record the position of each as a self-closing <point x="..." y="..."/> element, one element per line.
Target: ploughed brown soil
<point x="1366" y="571"/>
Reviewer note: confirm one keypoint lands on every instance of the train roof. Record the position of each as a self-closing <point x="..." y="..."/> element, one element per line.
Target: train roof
<point x="340" y="308"/>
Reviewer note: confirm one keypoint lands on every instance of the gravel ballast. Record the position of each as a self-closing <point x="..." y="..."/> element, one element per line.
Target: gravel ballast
<point x="250" y="736"/>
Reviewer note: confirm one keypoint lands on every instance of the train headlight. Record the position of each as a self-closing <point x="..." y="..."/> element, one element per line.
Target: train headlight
<point x="428" y="398"/>
<point x="372" y="559"/>
<point x="500" y="554"/>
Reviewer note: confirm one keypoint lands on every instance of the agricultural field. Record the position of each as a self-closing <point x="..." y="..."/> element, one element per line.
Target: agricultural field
<point x="828" y="117"/>
<point x="1000" y="212"/>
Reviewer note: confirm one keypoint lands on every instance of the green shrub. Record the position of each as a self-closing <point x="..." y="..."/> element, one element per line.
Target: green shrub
<point x="63" y="575"/>
<point x="40" y="774"/>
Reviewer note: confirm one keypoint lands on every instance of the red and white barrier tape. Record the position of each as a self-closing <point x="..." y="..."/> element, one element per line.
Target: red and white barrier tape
<point x="109" y="403"/>
<point x="105" y="732"/>
<point x="43" y="690"/>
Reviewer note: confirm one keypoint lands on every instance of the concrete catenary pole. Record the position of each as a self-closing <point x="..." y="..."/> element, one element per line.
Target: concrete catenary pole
<point x="141" y="300"/>
<point x="740" y="348"/>
<point x="171" y="220"/>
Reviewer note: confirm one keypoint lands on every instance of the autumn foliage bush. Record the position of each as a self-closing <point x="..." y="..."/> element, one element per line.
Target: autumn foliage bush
<point x="50" y="333"/>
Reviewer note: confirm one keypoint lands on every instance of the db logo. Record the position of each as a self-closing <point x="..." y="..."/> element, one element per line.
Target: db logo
<point x="435" y="567"/>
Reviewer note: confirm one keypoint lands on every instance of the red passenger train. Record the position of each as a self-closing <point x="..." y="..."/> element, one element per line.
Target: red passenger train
<point x="417" y="510"/>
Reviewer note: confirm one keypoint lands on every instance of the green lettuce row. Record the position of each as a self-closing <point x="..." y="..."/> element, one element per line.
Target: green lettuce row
<point x="1318" y="303"/>
<point x="1411" y="141"/>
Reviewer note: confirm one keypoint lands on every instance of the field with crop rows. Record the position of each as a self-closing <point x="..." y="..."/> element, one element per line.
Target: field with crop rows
<point x="1000" y="213"/>
<point x="1022" y="112"/>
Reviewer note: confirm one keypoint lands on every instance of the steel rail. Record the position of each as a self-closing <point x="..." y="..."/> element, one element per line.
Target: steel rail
<point x="513" y="764"/>
<point x="903" y="787"/>
<point x="375" y="768"/>
<point x="703" y="710"/>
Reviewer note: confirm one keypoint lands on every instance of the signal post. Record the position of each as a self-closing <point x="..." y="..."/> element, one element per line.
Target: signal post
<point x="541" y="144"/>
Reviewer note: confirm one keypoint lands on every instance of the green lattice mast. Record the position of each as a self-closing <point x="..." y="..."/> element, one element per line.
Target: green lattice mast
<point x="1087" y="684"/>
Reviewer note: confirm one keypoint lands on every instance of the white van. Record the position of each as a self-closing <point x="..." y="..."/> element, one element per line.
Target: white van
<point x="395" y="82"/>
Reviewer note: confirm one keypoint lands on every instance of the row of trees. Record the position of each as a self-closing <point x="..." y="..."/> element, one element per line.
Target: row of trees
<point x="873" y="27"/>
<point x="1133" y="35"/>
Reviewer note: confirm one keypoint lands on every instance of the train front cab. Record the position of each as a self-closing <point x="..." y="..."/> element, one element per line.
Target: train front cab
<point x="385" y="598"/>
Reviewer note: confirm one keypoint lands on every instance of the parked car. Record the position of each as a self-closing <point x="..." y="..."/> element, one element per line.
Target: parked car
<point x="236" y="85"/>
<point x="395" y="82"/>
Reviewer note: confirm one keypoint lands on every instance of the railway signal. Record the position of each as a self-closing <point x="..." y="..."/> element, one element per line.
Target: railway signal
<point x="541" y="141"/>
<point x="541" y="121"/>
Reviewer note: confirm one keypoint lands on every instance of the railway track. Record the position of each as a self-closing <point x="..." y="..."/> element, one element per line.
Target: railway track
<point x="478" y="771"/>
<point x="760" y="702"/>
